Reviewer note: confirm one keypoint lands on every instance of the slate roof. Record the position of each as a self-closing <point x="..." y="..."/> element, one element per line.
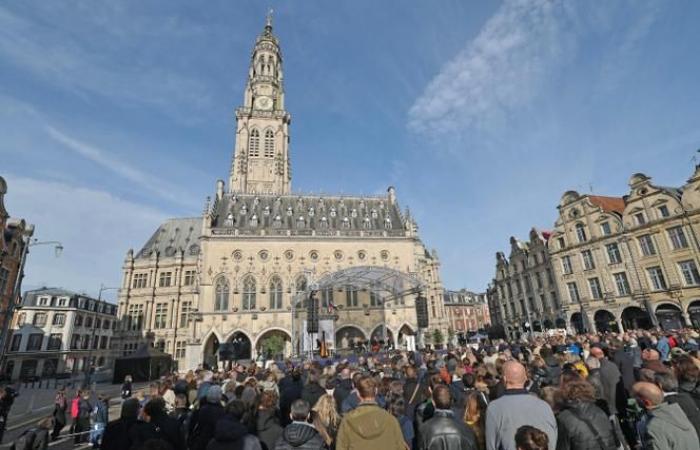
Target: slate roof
<point x="174" y="235"/>
<point x="306" y="215"/>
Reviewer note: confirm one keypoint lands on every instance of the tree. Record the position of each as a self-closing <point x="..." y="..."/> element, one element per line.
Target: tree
<point x="272" y="346"/>
<point x="450" y="335"/>
<point x="438" y="337"/>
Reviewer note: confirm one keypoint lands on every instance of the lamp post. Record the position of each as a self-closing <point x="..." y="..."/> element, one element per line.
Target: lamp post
<point x="91" y="343"/>
<point x="17" y="287"/>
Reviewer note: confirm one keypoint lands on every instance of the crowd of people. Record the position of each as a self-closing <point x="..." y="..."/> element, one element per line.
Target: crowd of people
<point x="638" y="389"/>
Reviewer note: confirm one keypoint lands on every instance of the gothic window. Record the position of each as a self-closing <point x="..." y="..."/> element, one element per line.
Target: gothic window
<point x="275" y="293"/>
<point x="269" y="144"/>
<point x="249" y="292"/>
<point x="300" y="283"/>
<point x="254" y="144"/>
<point x="221" y="293"/>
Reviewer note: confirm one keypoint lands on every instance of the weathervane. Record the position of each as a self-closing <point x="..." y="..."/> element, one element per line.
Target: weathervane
<point x="268" y="22"/>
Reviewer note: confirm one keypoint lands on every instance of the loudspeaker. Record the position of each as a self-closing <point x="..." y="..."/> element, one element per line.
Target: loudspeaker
<point x="312" y="314"/>
<point x="422" y="311"/>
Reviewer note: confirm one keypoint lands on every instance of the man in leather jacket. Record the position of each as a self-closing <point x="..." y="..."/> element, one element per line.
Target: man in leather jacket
<point x="443" y="431"/>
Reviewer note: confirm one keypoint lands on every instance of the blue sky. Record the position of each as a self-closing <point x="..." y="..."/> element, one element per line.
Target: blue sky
<point x="116" y="115"/>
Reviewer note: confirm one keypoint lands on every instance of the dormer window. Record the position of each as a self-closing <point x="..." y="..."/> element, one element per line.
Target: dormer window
<point x="374" y="214"/>
<point x="333" y="212"/>
<point x="254" y="220"/>
<point x="266" y="211"/>
<point x="367" y="223"/>
<point x="581" y="233"/>
<point x="387" y="223"/>
<point x="311" y="212"/>
<point x="324" y="222"/>
<point x="229" y="220"/>
<point x="290" y="211"/>
<point x="301" y="222"/>
<point x="243" y="211"/>
<point x="353" y="213"/>
<point x="346" y="222"/>
<point x="277" y="223"/>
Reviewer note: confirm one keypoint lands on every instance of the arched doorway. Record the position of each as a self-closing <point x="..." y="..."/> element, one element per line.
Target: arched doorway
<point x="406" y="338"/>
<point x="605" y="321"/>
<point x="274" y="344"/>
<point x="240" y="346"/>
<point x="348" y="336"/>
<point x="211" y="351"/>
<point x="634" y="318"/>
<point x="669" y="316"/>
<point x="383" y="334"/>
<point x="694" y="313"/>
<point x="577" y="322"/>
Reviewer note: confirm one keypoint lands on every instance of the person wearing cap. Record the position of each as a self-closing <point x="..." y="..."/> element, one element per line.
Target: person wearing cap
<point x="203" y="421"/>
<point x="116" y="434"/>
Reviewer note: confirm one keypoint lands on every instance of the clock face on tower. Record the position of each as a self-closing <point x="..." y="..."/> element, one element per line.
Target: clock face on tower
<point x="264" y="103"/>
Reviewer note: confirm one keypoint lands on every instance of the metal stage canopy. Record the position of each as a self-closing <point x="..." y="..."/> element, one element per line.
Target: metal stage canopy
<point x="389" y="283"/>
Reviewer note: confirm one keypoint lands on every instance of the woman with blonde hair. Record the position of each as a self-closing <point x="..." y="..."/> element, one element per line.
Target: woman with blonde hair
<point x="475" y="417"/>
<point x="326" y="419"/>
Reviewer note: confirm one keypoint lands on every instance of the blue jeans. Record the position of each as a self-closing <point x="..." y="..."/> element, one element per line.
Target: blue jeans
<point x="96" y="432"/>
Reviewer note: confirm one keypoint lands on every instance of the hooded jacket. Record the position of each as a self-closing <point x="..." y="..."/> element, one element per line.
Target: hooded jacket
<point x="232" y="435"/>
<point x="669" y="428"/>
<point x="369" y="426"/>
<point x="299" y="436"/>
<point x="268" y="428"/>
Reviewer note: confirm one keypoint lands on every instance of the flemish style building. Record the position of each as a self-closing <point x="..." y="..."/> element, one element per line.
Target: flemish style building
<point x="632" y="261"/>
<point x="232" y="273"/>
<point x="524" y="293"/>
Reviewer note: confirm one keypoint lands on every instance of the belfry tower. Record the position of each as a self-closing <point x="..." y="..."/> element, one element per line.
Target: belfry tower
<point x="261" y="156"/>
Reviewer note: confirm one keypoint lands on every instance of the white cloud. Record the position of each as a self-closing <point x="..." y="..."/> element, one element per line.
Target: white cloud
<point x="95" y="227"/>
<point x="106" y="160"/>
<point x="502" y="68"/>
<point x="519" y="50"/>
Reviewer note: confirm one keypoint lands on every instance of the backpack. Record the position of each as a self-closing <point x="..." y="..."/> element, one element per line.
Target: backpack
<point x="74" y="407"/>
<point x="25" y="441"/>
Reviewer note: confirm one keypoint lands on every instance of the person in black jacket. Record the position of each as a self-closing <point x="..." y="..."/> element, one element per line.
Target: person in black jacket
<point x="230" y="433"/>
<point x="300" y="434"/>
<point x="290" y="389"/>
<point x="312" y="390"/>
<point x="203" y="421"/>
<point x="116" y="435"/>
<point x="669" y="384"/>
<point x="343" y="388"/>
<point x="156" y="425"/>
<point x="581" y="424"/>
<point x="443" y="431"/>
<point x="267" y="424"/>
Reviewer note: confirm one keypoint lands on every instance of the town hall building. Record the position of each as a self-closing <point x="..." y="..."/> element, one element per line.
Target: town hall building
<point x="236" y="272"/>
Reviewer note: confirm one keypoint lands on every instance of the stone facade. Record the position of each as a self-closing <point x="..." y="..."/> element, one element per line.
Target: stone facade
<point x="15" y="235"/>
<point x="234" y="273"/>
<point x="524" y="294"/>
<point x="467" y="312"/>
<point x="630" y="261"/>
<point x="60" y="332"/>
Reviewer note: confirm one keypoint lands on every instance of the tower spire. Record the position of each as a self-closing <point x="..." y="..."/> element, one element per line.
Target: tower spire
<point x="268" y="20"/>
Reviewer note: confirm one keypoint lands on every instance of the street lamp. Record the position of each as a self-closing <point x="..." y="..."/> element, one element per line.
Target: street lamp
<point x="16" y="289"/>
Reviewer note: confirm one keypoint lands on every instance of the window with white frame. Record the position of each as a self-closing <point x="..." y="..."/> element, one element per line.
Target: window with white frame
<point x="39" y="319"/>
<point x="566" y="265"/>
<point x="184" y="313"/>
<point x="180" y="349"/>
<point x="677" y="237"/>
<point x="188" y="279"/>
<point x="689" y="270"/>
<point x="605" y="229"/>
<point x="646" y="245"/>
<point x="588" y="262"/>
<point x="276" y="293"/>
<point x="140" y="280"/>
<point x="59" y="319"/>
<point x="165" y="279"/>
<point x="254" y="143"/>
<point x="161" y="316"/>
<point x="656" y="276"/>
<point x="221" y="294"/>
<point x="640" y="218"/>
<point x="614" y="256"/>
<point x="135" y="317"/>
<point x="44" y="301"/>
<point x="581" y="233"/>
<point x="374" y="298"/>
<point x="573" y="292"/>
<point x="249" y="292"/>
<point x="326" y="297"/>
<point x="594" y="286"/>
<point x="351" y="296"/>
<point x="623" y="286"/>
<point x="269" y="144"/>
